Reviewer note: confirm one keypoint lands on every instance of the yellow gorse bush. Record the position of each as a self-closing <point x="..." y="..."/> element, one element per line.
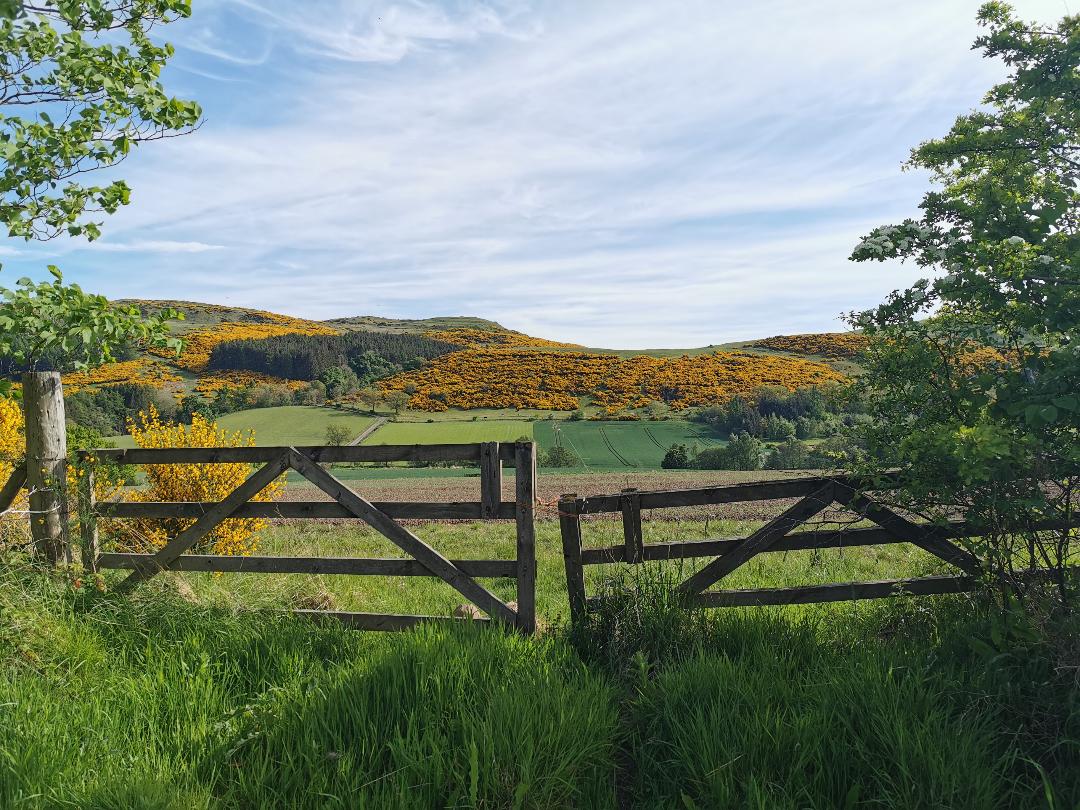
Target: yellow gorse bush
<point x="142" y="371"/>
<point x="13" y="528"/>
<point x="194" y="483"/>
<point x="12" y="449"/>
<point x="524" y="378"/>
<point x="214" y="381"/>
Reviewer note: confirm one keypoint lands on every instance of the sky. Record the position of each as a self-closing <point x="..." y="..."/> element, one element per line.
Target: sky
<point x="617" y="173"/>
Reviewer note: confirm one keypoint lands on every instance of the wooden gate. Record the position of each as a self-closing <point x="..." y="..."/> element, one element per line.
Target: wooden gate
<point x="425" y="560"/>
<point x="815" y="494"/>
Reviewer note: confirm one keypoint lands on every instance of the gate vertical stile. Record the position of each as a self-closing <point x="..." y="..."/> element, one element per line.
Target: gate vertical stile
<point x="570" y="527"/>
<point x="525" y="502"/>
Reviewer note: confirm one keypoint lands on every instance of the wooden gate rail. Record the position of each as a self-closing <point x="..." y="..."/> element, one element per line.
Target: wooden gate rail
<point x="815" y="494"/>
<point x="346" y="504"/>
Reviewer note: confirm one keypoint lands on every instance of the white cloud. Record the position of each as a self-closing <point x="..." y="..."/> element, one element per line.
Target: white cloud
<point x="613" y="173"/>
<point x="152" y="246"/>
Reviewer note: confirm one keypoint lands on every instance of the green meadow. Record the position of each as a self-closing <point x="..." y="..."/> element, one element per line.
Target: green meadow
<point x="201" y="691"/>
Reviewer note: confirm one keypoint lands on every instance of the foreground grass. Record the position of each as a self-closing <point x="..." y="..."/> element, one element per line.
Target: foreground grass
<point x="199" y="692"/>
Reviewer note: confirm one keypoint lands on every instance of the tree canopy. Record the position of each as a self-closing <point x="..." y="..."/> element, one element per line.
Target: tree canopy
<point x="79" y="88"/>
<point x="973" y="372"/>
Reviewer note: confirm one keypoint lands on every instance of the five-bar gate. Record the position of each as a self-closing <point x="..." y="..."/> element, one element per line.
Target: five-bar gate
<point x="424" y="560"/>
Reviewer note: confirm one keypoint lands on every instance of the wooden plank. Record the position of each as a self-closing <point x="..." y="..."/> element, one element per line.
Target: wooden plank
<point x="922" y="536"/>
<point x="707" y="496"/>
<point x="290" y="510"/>
<point x="570" y="528"/>
<point x="319" y="454"/>
<point x="797" y="541"/>
<point x="88" y="519"/>
<point x="760" y="540"/>
<point x="491" y="480"/>
<point x="390" y="567"/>
<point x="255" y="483"/>
<point x="11" y="488"/>
<point x="837" y="592"/>
<point x="525" y="490"/>
<point x="633" y="542"/>
<point x="377" y="621"/>
<point x="403" y="538"/>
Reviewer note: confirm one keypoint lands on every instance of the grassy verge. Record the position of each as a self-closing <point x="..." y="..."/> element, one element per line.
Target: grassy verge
<point x="199" y="692"/>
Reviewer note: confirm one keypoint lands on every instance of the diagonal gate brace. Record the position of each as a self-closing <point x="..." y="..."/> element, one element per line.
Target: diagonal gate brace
<point x="408" y="542"/>
<point x="760" y="540"/>
<point x="903" y="529"/>
<point x="165" y="557"/>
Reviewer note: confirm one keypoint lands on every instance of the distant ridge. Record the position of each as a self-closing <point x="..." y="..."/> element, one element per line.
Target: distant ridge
<point x="377" y="324"/>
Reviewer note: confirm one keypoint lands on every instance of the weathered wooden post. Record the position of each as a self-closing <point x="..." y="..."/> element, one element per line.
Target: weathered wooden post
<point x="570" y="527"/>
<point x="46" y="464"/>
<point x="525" y="491"/>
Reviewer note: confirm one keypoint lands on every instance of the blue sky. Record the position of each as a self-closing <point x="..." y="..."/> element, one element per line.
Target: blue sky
<point x="625" y="173"/>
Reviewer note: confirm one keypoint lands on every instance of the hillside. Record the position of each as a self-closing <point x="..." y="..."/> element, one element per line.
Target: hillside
<point x="237" y="358"/>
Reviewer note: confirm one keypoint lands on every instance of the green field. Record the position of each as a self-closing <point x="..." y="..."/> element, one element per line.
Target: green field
<point x="293" y="424"/>
<point x="450" y="432"/>
<point x="621" y="445"/>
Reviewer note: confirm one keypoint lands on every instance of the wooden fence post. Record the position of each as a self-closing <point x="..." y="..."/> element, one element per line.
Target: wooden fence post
<point x="491" y="479"/>
<point x="570" y="526"/>
<point x="630" y="503"/>
<point x="88" y="517"/>
<point x="525" y="490"/>
<point x="46" y="464"/>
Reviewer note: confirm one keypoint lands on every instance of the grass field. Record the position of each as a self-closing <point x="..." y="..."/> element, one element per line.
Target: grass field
<point x="293" y="424"/>
<point x="449" y="432"/>
<point x="197" y="692"/>
<point x="622" y="445"/>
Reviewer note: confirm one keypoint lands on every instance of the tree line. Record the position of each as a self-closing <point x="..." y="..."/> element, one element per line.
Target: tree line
<point x="370" y="355"/>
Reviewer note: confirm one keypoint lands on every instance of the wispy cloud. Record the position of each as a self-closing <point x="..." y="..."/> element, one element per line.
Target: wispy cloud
<point x="613" y="173"/>
<point x="153" y="246"/>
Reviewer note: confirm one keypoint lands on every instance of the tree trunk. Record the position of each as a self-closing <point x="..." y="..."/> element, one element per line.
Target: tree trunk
<point x="46" y="464"/>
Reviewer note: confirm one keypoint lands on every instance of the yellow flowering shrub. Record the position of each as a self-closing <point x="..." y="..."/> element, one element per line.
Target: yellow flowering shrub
<point x="824" y="344"/>
<point x="524" y="378"/>
<point x="213" y="381"/>
<point x="143" y="371"/>
<point x="12" y="449"/>
<point x="194" y="482"/>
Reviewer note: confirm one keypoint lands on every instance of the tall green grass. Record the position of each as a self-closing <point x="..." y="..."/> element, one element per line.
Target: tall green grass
<point x="155" y="702"/>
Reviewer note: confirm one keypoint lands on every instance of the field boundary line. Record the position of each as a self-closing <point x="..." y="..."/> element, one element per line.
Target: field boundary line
<point x="366" y="432"/>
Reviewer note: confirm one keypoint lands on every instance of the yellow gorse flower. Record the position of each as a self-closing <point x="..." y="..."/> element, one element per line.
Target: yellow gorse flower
<point x="195" y="483"/>
<point x="524" y="378"/>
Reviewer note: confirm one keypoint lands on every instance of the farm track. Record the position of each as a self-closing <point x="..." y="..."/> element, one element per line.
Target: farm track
<point x="378" y="423"/>
<point x="611" y="446"/>
<point x="652" y="437"/>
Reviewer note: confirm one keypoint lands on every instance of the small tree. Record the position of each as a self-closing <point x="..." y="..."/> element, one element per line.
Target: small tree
<point x="559" y="456"/>
<point x="371" y="397"/>
<point x="676" y="458"/>
<point x="973" y="375"/>
<point x="397" y="400"/>
<point x="337" y="435"/>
